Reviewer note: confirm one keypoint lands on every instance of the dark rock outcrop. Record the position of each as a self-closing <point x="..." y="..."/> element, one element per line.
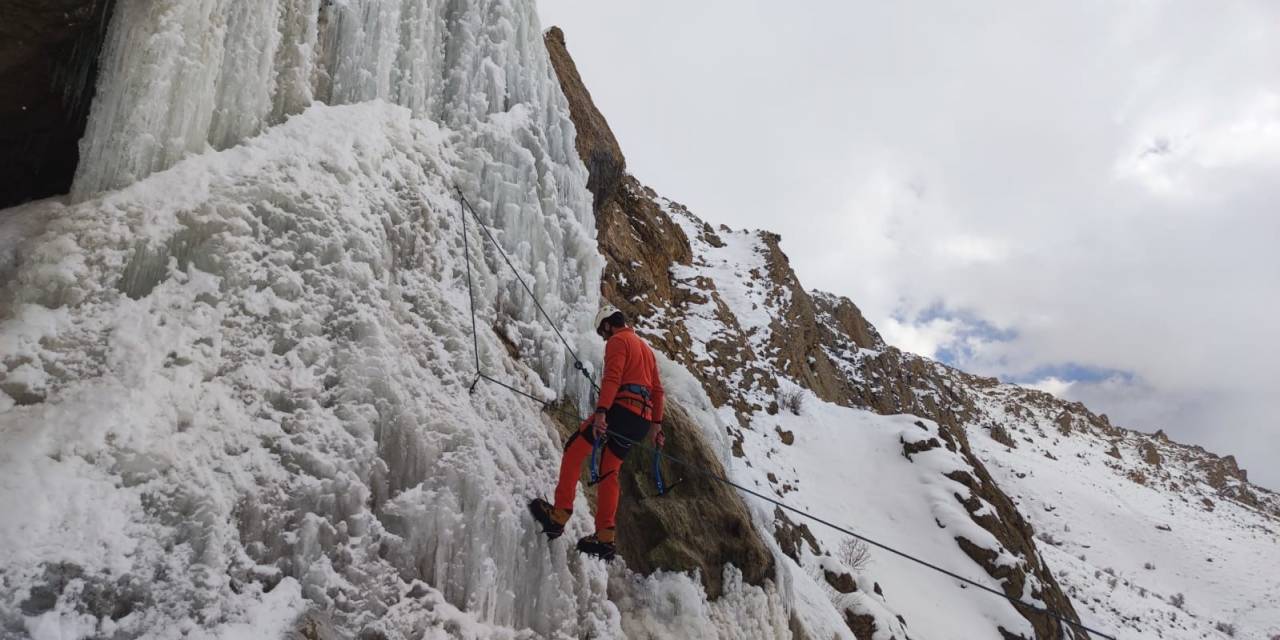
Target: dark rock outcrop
<point x="1149" y="453"/>
<point x="1219" y="470"/>
<point x="698" y="526"/>
<point x="597" y="147"/>
<point x="1001" y="435"/>
<point x="792" y="536"/>
<point x="48" y="67"/>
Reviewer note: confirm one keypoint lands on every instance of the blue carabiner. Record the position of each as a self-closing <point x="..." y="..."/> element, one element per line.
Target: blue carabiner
<point x="657" y="471"/>
<point x="596" y="446"/>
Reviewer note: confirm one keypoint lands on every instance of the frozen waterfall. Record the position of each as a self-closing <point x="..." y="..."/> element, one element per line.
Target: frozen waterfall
<point x="235" y="364"/>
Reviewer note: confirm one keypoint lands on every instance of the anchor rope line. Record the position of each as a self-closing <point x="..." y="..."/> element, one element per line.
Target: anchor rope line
<point x="577" y="362"/>
<point x="551" y="407"/>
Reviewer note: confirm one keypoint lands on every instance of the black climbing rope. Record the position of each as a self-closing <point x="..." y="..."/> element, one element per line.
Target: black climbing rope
<point x="550" y="406"/>
<point x="577" y="362"/>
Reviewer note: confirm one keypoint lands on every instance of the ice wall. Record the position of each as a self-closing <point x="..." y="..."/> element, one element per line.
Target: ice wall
<point x="234" y="368"/>
<point x="239" y="387"/>
<point x="182" y="77"/>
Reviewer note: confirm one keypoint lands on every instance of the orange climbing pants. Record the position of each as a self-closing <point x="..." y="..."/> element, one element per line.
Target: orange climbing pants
<point x="621" y="421"/>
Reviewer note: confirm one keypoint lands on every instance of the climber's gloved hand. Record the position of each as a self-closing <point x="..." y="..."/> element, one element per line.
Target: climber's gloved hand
<point x="598" y="424"/>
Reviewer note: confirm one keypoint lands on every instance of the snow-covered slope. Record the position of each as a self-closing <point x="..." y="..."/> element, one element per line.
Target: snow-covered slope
<point x="846" y="464"/>
<point x="1133" y="528"/>
<point x="1148" y="538"/>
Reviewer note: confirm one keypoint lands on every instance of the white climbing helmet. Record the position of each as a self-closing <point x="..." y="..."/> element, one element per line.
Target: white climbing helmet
<point x="605" y="311"/>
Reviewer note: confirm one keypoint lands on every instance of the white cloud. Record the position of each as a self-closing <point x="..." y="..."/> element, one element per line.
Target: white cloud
<point x="1053" y="385"/>
<point x="925" y="339"/>
<point x="970" y="249"/>
<point x="1201" y="153"/>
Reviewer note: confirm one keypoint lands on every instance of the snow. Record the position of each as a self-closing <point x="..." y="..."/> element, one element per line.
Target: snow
<point x="1225" y="562"/>
<point x="849" y="467"/>
<point x="742" y="308"/>
<point x="667" y="605"/>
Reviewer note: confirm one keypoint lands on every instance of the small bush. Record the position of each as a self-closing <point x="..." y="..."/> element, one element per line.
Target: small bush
<point x="855" y="554"/>
<point x="1229" y="629"/>
<point x="1178" y="600"/>
<point x="1048" y="538"/>
<point x="791" y="400"/>
<point x="1149" y="566"/>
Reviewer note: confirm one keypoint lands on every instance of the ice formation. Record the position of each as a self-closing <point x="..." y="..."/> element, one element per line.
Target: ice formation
<point x="239" y="376"/>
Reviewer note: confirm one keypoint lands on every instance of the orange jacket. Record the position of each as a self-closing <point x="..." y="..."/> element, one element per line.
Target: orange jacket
<point x="629" y="360"/>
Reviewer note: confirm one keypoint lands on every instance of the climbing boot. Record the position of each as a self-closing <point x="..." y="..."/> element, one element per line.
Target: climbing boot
<point x="599" y="544"/>
<point x="551" y="518"/>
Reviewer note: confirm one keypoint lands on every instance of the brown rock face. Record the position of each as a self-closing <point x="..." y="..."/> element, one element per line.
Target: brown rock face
<point x="1149" y="454"/>
<point x="597" y="147"/>
<point x="1219" y="470"/>
<point x="791" y="536"/>
<point x="48" y="66"/>
<point x="862" y="626"/>
<point x="1001" y="435"/>
<point x="797" y="339"/>
<point x="697" y="526"/>
<point x="841" y="582"/>
<point x="845" y="318"/>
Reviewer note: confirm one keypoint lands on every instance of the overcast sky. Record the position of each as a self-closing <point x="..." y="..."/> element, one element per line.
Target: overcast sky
<point x="1081" y="196"/>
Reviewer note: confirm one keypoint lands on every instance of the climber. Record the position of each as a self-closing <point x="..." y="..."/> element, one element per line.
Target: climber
<point x="630" y="406"/>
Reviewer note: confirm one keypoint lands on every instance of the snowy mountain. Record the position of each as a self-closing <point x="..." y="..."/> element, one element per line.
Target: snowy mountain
<point x="809" y="388"/>
<point x="238" y="394"/>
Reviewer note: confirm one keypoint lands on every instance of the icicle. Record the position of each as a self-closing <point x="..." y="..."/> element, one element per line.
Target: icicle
<point x="295" y="58"/>
<point x="247" y="75"/>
